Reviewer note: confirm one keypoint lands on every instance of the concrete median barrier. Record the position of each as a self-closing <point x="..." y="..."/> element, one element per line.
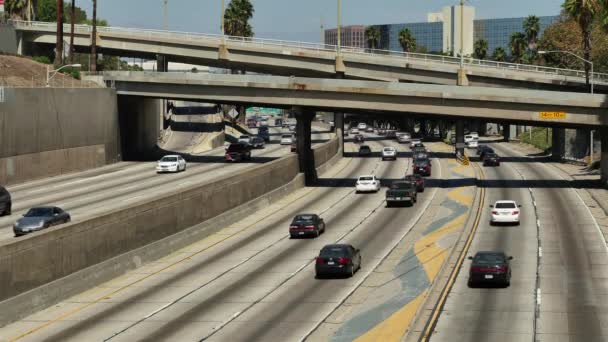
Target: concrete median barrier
<point x="42" y="269"/>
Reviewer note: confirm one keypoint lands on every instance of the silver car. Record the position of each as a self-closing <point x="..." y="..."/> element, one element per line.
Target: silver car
<point x="40" y="218"/>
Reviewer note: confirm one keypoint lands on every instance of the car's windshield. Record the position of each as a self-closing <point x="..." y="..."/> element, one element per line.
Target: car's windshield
<point x="169" y="159"/>
<point x="334" y="252"/>
<point x="366" y="178"/>
<point x="39" y="212"/>
<point x="505" y="205"/>
<point x="364" y="148"/>
<point x="244" y="137"/>
<point x="286" y="136"/>
<point x="491" y="155"/>
<point x="421" y="162"/>
<point x="388" y="149"/>
<point x="489" y="259"/>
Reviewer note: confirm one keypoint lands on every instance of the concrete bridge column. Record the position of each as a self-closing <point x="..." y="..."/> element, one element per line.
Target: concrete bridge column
<point x="139" y="126"/>
<point x="558" y="144"/>
<point x="506" y="132"/>
<point x="306" y="157"/>
<point x="483" y="128"/>
<point x="604" y="156"/>
<point x="460" y="137"/>
<point x="339" y="128"/>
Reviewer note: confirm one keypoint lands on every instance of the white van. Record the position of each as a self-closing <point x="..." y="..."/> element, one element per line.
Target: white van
<point x="471" y="141"/>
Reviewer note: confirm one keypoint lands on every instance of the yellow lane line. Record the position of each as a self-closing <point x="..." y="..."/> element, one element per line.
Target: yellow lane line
<point x="446" y="290"/>
<point x="187" y="258"/>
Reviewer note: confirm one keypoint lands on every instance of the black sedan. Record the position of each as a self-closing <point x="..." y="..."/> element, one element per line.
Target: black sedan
<point x="490" y="268"/>
<point x="257" y="142"/>
<point x="364" y="151"/>
<point x="359" y="139"/>
<point x="339" y="259"/>
<point x="491" y="159"/>
<point x="306" y="225"/>
<point x="482" y="150"/>
<point x="40" y="218"/>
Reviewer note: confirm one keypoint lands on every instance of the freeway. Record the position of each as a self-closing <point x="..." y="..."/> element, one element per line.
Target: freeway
<point x="559" y="269"/>
<point x="249" y="281"/>
<point x="90" y="193"/>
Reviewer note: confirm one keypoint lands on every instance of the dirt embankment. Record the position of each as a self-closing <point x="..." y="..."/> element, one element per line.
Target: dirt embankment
<point x="17" y="71"/>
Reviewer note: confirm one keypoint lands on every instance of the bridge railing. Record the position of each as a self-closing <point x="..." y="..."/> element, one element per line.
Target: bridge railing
<point x="249" y="41"/>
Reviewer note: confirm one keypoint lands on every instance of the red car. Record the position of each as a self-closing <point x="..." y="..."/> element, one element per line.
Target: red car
<point x="238" y="152"/>
<point x="294" y="147"/>
<point x="417" y="180"/>
<point x="306" y="224"/>
<point x="422" y="167"/>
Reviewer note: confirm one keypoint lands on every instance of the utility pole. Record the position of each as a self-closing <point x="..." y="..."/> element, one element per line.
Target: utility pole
<point x="59" y="43"/>
<point x="322" y="31"/>
<point x="93" y="64"/>
<point x="165" y="15"/>
<point x="339" y="29"/>
<point x="461" y="34"/>
<point x="222" y="17"/>
<point x="72" y="21"/>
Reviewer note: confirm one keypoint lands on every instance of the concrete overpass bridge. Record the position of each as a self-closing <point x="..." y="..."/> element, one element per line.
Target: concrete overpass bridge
<point x="307" y="95"/>
<point x="305" y="59"/>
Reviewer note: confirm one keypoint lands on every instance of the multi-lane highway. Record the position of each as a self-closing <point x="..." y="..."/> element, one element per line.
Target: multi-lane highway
<point x="559" y="280"/>
<point x="250" y="281"/>
<point x="93" y="192"/>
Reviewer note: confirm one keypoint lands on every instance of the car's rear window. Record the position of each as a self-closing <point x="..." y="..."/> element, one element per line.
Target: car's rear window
<point x="491" y="155"/>
<point x="505" y="205"/>
<point x="421" y="162"/>
<point x="389" y="149"/>
<point x="400" y="185"/>
<point x="39" y="212"/>
<point x="235" y="148"/>
<point x="303" y="218"/>
<point x="334" y="252"/>
<point x="364" y="148"/>
<point x="286" y="136"/>
<point x="169" y="159"/>
<point x="489" y="259"/>
<point x="244" y="137"/>
<point x="366" y="178"/>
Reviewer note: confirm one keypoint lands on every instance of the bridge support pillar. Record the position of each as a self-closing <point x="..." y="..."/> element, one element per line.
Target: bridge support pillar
<point x="306" y="157"/>
<point x="604" y="157"/>
<point x="460" y="137"/>
<point x="558" y="143"/>
<point x="339" y="128"/>
<point x="506" y="132"/>
<point x="483" y="128"/>
<point x="463" y="80"/>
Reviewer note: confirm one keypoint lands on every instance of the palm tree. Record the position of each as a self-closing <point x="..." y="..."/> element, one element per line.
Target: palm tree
<point x="499" y="54"/>
<point x="480" y="49"/>
<point x="372" y="35"/>
<point x="72" y="21"/>
<point x="236" y="18"/>
<point x="407" y="40"/>
<point x="584" y="11"/>
<point x="59" y="43"/>
<point x="518" y="47"/>
<point x="532" y="30"/>
<point x="93" y="65"/>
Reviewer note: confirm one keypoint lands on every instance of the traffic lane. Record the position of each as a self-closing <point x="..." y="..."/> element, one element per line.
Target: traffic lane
<point x="107" y="196"/>
<point x="302" y="302"/>
<point x="119" y="310"/>
<point x="489" y="312"/>
<point x="236" y="294"/>
<point x="573" y="272"/>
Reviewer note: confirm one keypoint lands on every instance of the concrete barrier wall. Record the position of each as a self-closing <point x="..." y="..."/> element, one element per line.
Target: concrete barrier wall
<point x="47" y="132"/>
<point x="43" y="269"/>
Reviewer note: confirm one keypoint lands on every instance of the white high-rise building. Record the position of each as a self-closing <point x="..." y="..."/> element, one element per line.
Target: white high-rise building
<point x="455" y="18"/>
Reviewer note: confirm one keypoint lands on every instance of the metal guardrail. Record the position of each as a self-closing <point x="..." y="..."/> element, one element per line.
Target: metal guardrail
<point x="427" y="58"/>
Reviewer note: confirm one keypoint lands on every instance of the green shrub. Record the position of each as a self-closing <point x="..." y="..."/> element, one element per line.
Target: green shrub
<point x="42" y="59"/>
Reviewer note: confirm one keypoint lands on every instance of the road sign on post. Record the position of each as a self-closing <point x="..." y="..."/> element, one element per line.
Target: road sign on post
<point x="233" y="113"/>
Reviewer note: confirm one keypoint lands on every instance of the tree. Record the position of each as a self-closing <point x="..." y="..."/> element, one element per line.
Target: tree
<point x="517" y="44"/>
<point x="236" y="18"/>
<point x="532" y="30"/>
<point x="16" y="8"/>
<point x="480" y="49"/>
<point x="499" y="54"/>
<point x="407" y="40"/>
<point x="584" y="12"/>
<point x="372" y="36"/>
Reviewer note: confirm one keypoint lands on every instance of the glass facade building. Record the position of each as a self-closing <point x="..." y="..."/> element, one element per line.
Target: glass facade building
<point x="498" y="31"/>
<point x="428" y="35"/>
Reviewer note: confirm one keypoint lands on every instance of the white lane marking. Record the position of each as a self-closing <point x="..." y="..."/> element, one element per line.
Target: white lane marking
<point x="534" y="202"/>
<point x="538" y="296"/>
<point x="131" y="198"/>
<point x="540" y="252"/>
<point x="538" y="223"/>
<point x="157" y="310"/>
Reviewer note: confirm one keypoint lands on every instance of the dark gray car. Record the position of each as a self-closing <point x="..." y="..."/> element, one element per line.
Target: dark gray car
<point x="40" y="218"/>
<point x="5" y="202"/>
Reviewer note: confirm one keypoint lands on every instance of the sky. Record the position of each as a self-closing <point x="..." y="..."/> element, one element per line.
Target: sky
<point x="301" y="20"/>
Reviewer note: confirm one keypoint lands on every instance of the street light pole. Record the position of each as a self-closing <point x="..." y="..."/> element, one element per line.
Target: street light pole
<point x="575" y="55"/>
<point x="165" y="15"/>
<point x="339" y="29"/>
<point x="49" y="77"/>
<point x="461" y="34"/>
<point x="222" y="19"/>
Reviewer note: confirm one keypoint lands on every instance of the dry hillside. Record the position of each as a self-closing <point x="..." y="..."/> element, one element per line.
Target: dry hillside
<point x="16" y="71"/>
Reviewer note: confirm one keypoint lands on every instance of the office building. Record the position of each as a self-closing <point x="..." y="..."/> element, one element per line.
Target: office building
<point x="353" y="36"/>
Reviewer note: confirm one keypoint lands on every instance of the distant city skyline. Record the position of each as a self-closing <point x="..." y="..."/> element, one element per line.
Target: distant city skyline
<point x="301" y="20"/>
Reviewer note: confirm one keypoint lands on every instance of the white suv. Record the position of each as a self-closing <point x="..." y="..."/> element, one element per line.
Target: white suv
<point x="389" y="153"/>
<point x="362" y="126"/>
<point x="286" y="139"/>
<point x="505" y="212"/>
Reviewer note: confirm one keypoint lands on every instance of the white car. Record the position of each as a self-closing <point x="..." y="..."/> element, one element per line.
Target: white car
<point x="505" y="212"/>
<point x="286" y="139"/>
<point x="244" y="139"/>
<point x="354" y="131"/>
<point x="414" y="142"/>
<point x="367" y="183"/>
<point x="171" y="163"/>
<point x="292" y="128"/>
<point x="362" y="126"/>
<point x="389" y="153"/>
<point x="403" y="137"/>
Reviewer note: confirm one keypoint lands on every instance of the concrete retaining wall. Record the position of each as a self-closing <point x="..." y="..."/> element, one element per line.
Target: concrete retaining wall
<point x="45" y="268"/>
<point x="47" y="132"/>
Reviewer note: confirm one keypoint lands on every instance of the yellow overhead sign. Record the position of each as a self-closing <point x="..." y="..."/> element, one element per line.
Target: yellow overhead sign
<point x="552" y="115"/>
